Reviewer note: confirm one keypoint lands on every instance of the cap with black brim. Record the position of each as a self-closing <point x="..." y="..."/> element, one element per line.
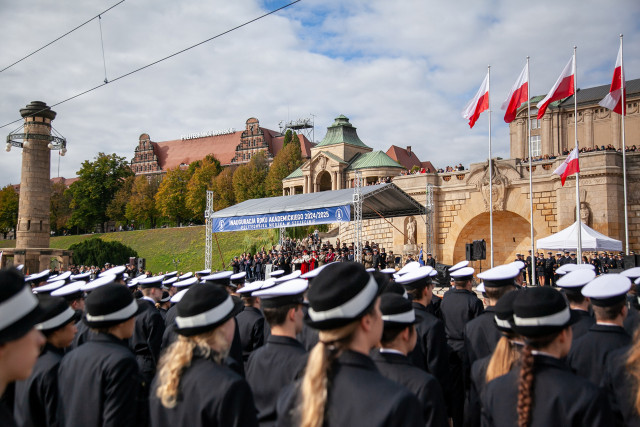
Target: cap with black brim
<point x="607" y="290"/>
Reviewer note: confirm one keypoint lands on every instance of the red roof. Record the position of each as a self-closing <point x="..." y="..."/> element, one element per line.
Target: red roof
<point x="67" y="182"/>
<point x="172" y="154"/>
<point x="305" y="145"/>
<point x="408" y="158"/>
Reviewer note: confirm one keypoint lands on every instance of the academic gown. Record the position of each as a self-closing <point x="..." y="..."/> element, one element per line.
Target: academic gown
<point x="619" y="388"/>
<point x="358" y="395"/>
<point x="101" y="385"/>
<point x="209" y="395"/>
<point x="398" y="368"/>
<point x="481" y="336"/>
<point x="146" y="341"/>
<point x="589" y="353"/>
<point x="581" y="327"/>
<point x="269" y="369"/>
<point x="251" y="330"/>
<point x="36" y="398"/>
<point x="560" y="398"/>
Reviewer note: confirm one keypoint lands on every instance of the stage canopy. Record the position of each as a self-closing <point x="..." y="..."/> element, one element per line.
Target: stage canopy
<point x="326" y="207"/>
<point x="567" y="239"/>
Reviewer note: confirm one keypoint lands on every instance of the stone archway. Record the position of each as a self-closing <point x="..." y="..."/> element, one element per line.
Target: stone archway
<point x="323" y="181"/>
<point x="511" y="235"/>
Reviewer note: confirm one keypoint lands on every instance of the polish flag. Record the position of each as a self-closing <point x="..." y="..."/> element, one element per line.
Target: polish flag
<point x="518" y="95"/>
<point x="478" y="104"/>
<point x="570" y="166"/>
<point x="617" y="96"/>
<point x="563" y="88"/>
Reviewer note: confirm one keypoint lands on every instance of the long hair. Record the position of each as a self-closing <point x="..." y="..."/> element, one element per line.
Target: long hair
<point x="316" y="378"/>
<point x="503" y="358"/>
<point x="178" y="357"/>
<point x="633" y="368"/>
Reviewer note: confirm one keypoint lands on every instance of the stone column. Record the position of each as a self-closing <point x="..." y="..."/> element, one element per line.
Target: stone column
<point x="588" y="128"/>
<point x="334" y="181"/>
<point x="546" y="134"/>
<point x="35" y="187"/>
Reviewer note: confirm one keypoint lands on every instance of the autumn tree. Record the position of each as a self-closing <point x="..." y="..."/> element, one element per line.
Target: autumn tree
<point x="222" y="187"/>
<point x="285" y="162"/>
<point x="171" y="195"/>
<point x="60" y="211"/>
<point x="116" y="209"/>
<point x="201" y="180"/>
<point x="249" y="179"/>
<point x="98" y="182"/>
<point x="9" y="201"/>
<point x="141" y="206"/>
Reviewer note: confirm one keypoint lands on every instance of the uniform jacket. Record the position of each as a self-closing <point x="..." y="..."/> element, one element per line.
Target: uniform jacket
<point x="560" y="398"/>
<point x="358" y="396"/>
<point x="619" y="388"/>
<point x="589" y="353"/>
<point x="210" y="395"/>
<point x="6" y="418"/>
<point x="251" y="330"/>
<point x="481" y="336"/>
<point x="582" y="326"/>
<point x="269" y="369"/>
<point x="473" y="406"/>
<point x="398" y="368"/>
<point x="147" y="338"/>
<point x="459" y="306"/>
<point x="101" y="385"/>
<point x="36" y="398"/>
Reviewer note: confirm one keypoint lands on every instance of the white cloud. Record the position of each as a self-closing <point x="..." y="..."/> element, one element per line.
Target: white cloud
<point x="401" y="71"/>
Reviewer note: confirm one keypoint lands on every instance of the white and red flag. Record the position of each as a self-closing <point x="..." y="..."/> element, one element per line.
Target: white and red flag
<point x="563" y="88"/>
<point x="517" y="96"/>
<point x="617" y="97"/>
<point x="570" y="166"/>
<point x="478" y="104"/>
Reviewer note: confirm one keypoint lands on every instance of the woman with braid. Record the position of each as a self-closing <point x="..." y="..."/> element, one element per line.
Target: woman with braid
<point x="543" y="391"/>
<point x="341" y="385"/>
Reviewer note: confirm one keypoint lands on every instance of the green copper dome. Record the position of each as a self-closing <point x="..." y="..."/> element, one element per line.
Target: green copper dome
<point x="341" y="132"/>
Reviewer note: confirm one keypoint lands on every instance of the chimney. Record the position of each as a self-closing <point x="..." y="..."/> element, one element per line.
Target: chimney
<point x="409" y="149"/>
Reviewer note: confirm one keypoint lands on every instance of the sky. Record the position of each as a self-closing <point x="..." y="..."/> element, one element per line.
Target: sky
<point x="401" y="71"/>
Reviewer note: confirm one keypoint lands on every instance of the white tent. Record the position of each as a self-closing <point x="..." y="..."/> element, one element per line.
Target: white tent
<point x="567" y="239"/>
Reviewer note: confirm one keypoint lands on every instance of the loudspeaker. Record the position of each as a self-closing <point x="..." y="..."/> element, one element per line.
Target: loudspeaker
<point x="469" y="251"/>
<point x="630" y="261"/>
<point x="479" y="250"/>
<point x="141" y="264"/>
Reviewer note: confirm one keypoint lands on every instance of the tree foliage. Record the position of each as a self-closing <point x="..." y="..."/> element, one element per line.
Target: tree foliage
<point x="201" y="180"/>
<point x="222" y="187"/>
<point x="98" y="182"/>
<point x="285" y="162"/>
<point x="249" y="179"/>
<point x="60" y="211"/>
<point x="116" y="209"/>
<point x="141" y="207"/>
<point x="98" y="252"/>
<point x="9" y="202"/>
<point x="171" y="196"/>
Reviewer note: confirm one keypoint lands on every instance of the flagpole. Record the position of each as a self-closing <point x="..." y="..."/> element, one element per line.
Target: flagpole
<point x="575" y="132"/>
<point x="532" y="278"/>
<point x="624" y="156"/>
<point x="490" y="165"/>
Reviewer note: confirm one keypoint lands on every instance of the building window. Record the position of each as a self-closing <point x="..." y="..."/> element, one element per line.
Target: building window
<point x="535" y="123"/>
<point x="536" y="147"/>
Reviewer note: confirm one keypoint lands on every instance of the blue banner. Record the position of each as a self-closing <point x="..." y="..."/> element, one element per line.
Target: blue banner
<point x="283" y="219"/>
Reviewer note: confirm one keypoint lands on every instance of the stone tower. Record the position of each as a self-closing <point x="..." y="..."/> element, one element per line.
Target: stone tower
<point x="35" y="188"/>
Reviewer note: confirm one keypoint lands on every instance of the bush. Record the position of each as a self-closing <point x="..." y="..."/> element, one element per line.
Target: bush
<point x="98" y="252"/>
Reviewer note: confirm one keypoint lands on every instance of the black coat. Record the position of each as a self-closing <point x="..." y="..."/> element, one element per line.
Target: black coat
<point x="171" y="315"/>
<point x="251" y="330"/>
<point x="473" y="406"/>
<point x="100" y="385"/>
<point x="481" y="336"/>
<point x="399" y="368"/>
<point x="560" y="398"/>
<point x="582" y="326"/>
<point x="357" y="396"/>
<point x="619" y="387"/>
<point x="6" y="417"/>
<point x="269" y="369"/>
<point x="147" y="338"/>
<point x="589" y="352"/>
<point x="459" y="306"/>
<point x="632" y="321"/>
<point x="83" y="335"/>
<point x="209" y="395"/>
<point x="36" y="398"/>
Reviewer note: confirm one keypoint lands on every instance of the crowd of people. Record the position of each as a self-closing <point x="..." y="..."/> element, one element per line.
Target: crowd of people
<point x="322" y="343"/>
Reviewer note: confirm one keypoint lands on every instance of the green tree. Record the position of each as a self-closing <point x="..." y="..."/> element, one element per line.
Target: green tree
<point x="222" y="187"/>
<point x="171" y="195"/>
<point x="141" y="206"/>
<point x="249" y="179"/>
<point x="285" y="162"/>
<point x="116" y="209"/>
<point x="98" y="182"/>
<point x="96" y="251"/>
<point x="60" y="211"/>
<point x="288" y="137"/>
<point x="201" y="180"/>
<point x="9" y="201"/>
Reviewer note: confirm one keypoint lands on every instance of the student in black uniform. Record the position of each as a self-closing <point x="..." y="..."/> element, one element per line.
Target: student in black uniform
<point x="84" y="331"/>
<point x="341" y="385"/>
<point x="543" y="391"/>
<point x="571" y="285"/>
<point x="632" y="321"/>
<point x="100" y="382"/>
<point x="588" y="354"/>
<point x="164" y="304"/>
<point x="36" y="399"/>
<point x="459" y="306"/>
<point x="276" y="364"/>
<point x="193" y="387"/>
<point x="480" y="334"/>
<point x="20" y="342"/>
<point x="149" y="328"/>
<point x="250" y="321"/>
<point x="398" y="339"/>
